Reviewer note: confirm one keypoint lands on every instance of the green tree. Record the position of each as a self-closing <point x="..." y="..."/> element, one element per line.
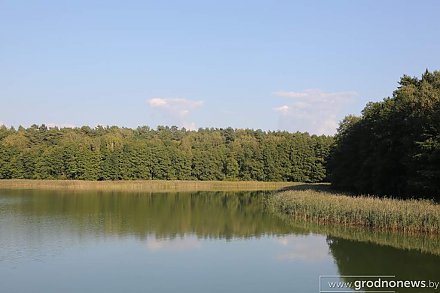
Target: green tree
<point x="167" y="153"/>
<point x="392" y="149"/>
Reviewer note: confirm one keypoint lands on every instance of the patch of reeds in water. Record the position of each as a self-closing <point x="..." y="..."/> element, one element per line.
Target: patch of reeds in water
<point x="316" y="204"/>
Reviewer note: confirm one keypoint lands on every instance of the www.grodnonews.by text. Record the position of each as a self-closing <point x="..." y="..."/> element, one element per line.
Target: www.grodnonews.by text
<point x="382" y="283"/>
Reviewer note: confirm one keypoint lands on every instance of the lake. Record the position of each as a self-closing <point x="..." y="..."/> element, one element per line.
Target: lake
<point x="66" y="241"/>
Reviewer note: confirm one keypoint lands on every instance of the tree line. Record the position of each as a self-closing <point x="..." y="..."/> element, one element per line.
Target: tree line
<point x="166" y="153"/>
<point x="393" y="148"/>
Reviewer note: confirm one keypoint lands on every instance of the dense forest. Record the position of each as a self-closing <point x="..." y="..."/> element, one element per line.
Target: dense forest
<point x="114" y="153"/>
<point x="393" y="148"/>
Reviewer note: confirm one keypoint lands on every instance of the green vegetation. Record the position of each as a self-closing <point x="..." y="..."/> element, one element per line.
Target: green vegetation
<point x="168" y="153"/>
<point x="142" y="185"/>
<point x="394" y="147"/>
<point x="314" y="204"/>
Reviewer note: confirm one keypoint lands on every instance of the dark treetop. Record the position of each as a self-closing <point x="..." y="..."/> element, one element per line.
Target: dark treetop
<point x="393" y="148"/>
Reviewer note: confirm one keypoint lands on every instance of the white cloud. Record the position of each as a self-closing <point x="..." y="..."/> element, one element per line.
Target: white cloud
<point x="176" y="110"/>
<point x="157" y="102"/>
<point x="313" y="110"/>
<point x="282" y="109"/>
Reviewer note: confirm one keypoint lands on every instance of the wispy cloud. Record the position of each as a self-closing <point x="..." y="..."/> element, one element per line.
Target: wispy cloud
<point x="176" y="110"/>
<point x="316" y="94"/>
<point x="313" y="110"/>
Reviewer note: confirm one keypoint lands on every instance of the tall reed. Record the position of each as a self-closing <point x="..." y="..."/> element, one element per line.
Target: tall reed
<point x="381" y="214"/>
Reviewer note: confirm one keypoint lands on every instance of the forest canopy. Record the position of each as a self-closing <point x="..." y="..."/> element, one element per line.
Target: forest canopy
<point x="166" y="153"/>
<point x="393" y="148"/>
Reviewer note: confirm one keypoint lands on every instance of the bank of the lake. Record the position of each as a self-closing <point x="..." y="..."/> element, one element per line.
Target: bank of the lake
<point x="318" y="204"/>
<point x="143" y="185"/>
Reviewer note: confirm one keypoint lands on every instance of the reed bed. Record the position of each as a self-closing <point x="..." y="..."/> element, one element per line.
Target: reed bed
<point x="379" y="214"/>
<point x="143" y="185"/>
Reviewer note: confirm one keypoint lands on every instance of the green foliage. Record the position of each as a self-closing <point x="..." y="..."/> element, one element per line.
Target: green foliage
<point x="394" y="147"/>
<point x="167" y="153"/>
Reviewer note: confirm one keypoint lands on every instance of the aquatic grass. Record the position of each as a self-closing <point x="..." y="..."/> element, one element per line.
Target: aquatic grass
<point x="382" y="214"/>
<point x="143" y="185"/>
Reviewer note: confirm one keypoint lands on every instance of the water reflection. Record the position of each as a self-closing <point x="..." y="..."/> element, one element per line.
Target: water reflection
<point x="312" y="248"/>
<point x="364" y="258"/>
<point x="205" y="214"/>
<point x="174" y="245"/>
<point x="196" y="242"/>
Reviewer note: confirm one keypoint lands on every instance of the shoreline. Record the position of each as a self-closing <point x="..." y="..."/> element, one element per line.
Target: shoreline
<point x="293" y="201"/>
<point x="144" y="185"/>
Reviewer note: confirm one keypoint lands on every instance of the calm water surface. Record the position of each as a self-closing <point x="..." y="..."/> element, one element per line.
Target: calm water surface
<point x="181" y="242"/>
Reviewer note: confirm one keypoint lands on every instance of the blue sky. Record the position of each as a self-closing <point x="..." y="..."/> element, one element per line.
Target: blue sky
<point x="288" y="65"/>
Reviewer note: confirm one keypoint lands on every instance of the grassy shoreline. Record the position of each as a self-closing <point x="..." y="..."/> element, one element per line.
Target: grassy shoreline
<point x="315" y="204"/>
<point x="143" y="185"/>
